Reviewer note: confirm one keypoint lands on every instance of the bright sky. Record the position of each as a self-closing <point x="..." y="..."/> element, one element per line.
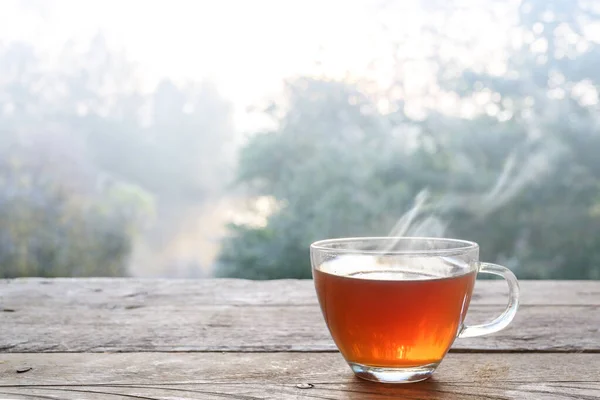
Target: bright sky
<point x="246" y="47"/>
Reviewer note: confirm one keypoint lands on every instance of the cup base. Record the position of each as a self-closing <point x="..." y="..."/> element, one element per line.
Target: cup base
<point x="393" y="375"/>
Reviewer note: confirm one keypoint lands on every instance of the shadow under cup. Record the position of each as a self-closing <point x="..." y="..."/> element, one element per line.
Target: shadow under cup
<point x="394" y="306"/>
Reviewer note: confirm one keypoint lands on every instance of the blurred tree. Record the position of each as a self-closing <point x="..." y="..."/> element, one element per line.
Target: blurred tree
<point x="58" y="217"/>
<point x="549" y="92"/>
<point x="318" y="166"/>
<point x="520" y="175"/>
<point x="87" y="158"/>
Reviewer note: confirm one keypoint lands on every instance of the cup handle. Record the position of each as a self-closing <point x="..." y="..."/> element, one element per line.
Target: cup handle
<point x="507" y="316"/>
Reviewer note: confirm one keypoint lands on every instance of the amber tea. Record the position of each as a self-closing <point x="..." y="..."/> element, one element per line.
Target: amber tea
<point x="386" y="319"/>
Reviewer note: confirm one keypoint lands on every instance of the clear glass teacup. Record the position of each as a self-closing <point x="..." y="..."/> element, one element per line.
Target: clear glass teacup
<point x="394" y="306"/>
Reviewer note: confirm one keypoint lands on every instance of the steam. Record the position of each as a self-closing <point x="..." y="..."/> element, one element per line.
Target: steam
<point x="523" y="167"/>
<point x="526" y="165"/>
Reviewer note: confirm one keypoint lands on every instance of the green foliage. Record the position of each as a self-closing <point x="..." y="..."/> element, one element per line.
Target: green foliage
<point x="318" y="166"/>
<point x="337" y="166"/>
<point x="87" y="159"/>
<point x="50" y="228"/>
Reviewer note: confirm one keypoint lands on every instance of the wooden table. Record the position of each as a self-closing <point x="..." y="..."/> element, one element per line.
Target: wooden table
<point x="236" y="339"/>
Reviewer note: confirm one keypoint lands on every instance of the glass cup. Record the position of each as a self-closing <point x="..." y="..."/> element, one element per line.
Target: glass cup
<point x="394" y="306"/>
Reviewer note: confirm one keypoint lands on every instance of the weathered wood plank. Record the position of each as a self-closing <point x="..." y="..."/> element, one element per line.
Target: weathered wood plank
<point x="177" y="292"/>
<point x="419" y="391"/>
<point x="255" y="328"/>
<point x="277" y="376"/>
<point x="88" y="315"/>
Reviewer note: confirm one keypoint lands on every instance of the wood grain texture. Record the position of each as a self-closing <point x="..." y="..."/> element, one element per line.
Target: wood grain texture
<point x="177" y="292"/>
<point x="107" y="315"/>
<point x="277" y="376"/>
<point x="53" y="333"/>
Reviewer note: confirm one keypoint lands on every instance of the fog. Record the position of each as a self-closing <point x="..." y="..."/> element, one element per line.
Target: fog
<point x="195" y="138"/>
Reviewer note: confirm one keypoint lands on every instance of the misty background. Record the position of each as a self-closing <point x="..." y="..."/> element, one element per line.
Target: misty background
<point x="197" y="138"/>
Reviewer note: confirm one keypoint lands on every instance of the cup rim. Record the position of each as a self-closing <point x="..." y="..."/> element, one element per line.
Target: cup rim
<point x="462" y="246"/>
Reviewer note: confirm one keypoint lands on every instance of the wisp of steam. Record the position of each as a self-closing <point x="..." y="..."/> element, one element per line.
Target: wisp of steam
<point x="525" y="165"/>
